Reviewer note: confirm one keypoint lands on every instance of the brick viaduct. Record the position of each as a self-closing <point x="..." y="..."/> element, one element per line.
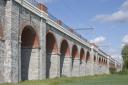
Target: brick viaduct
<point x="35" y="45"/>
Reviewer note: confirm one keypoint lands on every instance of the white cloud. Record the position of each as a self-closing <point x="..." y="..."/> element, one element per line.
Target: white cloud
<point x="98" y="40"/>
<point x="117" y="57"/>
<point x="125" y="40"/>
<point x="125" y="6"/>
<point x="120" y="16"/>
<point x="115" y="53"/>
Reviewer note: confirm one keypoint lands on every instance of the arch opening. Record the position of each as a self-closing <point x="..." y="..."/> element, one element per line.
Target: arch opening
<point x="29" y="43"/>
<point x="51" y="45"/>
<point x="64" y="49"/>
<point x="94" y="58"/>
<point x="99" y="60"/>
<point x="82" y="55"/>
<point x="102" y="61"/>
<point x="29" y="38"/>
<point x="87" y="56"/>
<point x="74" y="53"/>
<point x="106" y="61"/>
<point x="51" y="49"/>
<point x="65" y="52"/>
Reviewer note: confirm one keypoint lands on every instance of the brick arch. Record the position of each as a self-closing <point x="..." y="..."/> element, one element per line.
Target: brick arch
<point x="74" y="54"/>
<point x="82" y="54"/>
<point x="87" y="56"/>
<point x="51" y="43"/>
<point x="99" y="60"/>
<point x="94" y="58"/>
<point x="74" y="51"/>
<point x="24" y="24"/>
<point x="29" y="38"/>
<point x="102" y="60"/>
<point x="29" y="43"/>
<point x="51" y="51"/>
<point x="106" y="61"/>
<point x="64" y="52"/>
<point x="64" y="48"/>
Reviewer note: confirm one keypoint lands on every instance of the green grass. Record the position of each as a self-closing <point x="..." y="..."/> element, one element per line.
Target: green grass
<point x="115" y="79"/>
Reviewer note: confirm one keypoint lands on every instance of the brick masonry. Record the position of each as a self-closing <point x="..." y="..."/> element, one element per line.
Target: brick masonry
<point x="18" y="63"/>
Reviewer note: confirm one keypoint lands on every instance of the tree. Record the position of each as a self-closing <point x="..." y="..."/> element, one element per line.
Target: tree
<point x="125" y="56"/>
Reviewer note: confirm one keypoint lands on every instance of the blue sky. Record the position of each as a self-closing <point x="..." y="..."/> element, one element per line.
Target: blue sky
<point x="108" y="17"/>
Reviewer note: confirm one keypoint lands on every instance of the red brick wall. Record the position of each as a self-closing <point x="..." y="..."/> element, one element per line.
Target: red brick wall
<point x="42" y="7"/>
<point x="29" y="38"/>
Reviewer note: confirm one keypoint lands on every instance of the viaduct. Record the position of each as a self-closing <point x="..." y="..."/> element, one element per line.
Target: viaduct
<point x="34" y="45"/>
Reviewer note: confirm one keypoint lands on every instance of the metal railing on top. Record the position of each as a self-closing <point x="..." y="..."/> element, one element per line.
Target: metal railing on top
<point x="35" y="3"/>
<point x="52" y="17"/>
<point x="66" y="26"/>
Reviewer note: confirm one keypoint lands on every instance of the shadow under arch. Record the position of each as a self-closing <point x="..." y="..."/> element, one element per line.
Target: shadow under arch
<point x="65" y="52"/>
<point x="82" y="55"/>
<point x="74" y="54"/>
<point x="99" y="60"/>
<point x="94" y="59"/>
<point x="51" y="49"/>
<point x="29" y="41"/>
<point x="87" y="56"/>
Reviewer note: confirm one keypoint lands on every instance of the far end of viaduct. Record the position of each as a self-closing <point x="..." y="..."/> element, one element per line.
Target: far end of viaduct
<point x="35" y="45"/>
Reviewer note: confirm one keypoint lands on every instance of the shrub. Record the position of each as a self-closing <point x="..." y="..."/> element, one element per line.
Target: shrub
<point x="124" y="71"/>
<point x="112" y="70"/>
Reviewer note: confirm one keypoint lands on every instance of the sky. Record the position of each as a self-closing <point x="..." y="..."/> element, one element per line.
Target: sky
<point x="109" y="18"/>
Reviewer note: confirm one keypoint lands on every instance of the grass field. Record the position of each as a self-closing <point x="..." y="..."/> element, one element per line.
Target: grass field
<point x="115" y="79"/>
